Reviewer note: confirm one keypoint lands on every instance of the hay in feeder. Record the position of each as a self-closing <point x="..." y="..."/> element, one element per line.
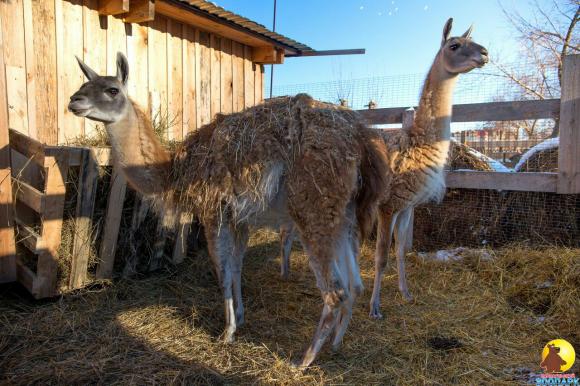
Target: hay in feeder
<point x="541" y="158"/>
<point x="462" y="156"/>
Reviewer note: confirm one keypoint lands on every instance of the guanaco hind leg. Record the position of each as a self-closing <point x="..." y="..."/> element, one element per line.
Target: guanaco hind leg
<point x="227" y="246"/>
<point x="401" y="232"/>
<point x="385" y="227"/>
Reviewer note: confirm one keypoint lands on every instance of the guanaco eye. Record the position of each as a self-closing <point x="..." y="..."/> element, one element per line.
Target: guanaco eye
<point x="113" y="91"/>
<point x="454" y="46"/>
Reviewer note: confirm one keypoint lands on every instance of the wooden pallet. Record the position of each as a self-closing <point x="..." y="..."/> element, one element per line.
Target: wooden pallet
<point x="47" y="202"/>
<point x="39" y="175"/>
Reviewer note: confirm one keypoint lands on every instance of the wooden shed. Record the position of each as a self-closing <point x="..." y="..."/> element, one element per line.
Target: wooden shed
<point x="192" y="58"/>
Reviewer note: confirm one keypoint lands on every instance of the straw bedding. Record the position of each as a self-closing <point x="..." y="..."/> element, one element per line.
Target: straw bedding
<point x="474" y="321"/>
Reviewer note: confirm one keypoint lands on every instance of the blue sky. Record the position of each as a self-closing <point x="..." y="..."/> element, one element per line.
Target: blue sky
<point x="401" y="37"/>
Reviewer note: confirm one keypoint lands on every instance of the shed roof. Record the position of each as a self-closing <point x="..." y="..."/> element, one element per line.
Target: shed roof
<point x="250" y="25"/>
<point x="230" y="20"/>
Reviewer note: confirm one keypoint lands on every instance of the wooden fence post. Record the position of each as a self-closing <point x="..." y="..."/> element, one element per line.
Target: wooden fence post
<point x="112" y="224"/>
<point x="56" y="163"/>
<point x="87" y="189"/>
<point x="408" y="120"/>
<point x="569" y="149"/>
<point x="7" y="242"/>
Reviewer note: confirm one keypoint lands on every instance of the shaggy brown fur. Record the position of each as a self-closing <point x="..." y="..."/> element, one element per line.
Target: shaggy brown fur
<point x="322" y="150"/>
<point x="289" y="159"/>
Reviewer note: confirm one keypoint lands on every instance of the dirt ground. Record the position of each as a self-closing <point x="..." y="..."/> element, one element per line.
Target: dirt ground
<point x="482" y="319"/>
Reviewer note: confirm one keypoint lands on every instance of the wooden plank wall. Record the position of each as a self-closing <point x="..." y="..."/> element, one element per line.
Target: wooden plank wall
<point x="7" y="241"/>
<point x="188" y="74"/>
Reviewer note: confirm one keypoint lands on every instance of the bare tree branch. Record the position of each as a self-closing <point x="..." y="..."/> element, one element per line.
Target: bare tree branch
<point x="520" y="82"/>
<point x="567" y="41"/>
<point x="547" y="37"/>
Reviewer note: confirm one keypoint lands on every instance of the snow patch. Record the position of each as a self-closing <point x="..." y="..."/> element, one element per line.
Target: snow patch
<point x="549" y="143"/>
<point x="455" y="254"/>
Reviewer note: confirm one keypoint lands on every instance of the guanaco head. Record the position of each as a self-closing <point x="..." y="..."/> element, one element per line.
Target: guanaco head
<point x="460" y="54"/>
<point x="102" y="98"/>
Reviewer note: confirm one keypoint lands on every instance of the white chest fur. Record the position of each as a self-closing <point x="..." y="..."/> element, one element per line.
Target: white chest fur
<point x="434" y="184"/>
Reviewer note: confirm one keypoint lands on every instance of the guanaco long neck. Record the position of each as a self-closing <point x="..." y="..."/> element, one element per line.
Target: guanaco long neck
<point x="433" y="117"/>
<point x="136" y="148"/>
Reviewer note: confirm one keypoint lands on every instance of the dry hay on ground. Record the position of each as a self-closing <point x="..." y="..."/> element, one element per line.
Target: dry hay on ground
<point x="474" y="321"/>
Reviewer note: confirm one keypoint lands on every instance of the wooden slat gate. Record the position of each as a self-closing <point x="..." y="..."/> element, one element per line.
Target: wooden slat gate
<point x="39" y="175"/>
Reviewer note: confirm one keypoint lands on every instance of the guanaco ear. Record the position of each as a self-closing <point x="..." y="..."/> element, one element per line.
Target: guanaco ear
<point x="89" y="73"/>
<point x="122" y="68"/>
<point x="447" y="31"/>
<point x="467" y="33"/>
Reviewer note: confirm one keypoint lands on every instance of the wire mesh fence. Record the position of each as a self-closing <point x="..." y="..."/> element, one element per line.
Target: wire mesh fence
<point x="488" y="84"/>
<point x="490" y="218"/>
<point x="469" y="217"/>
<point x="505" y="141"/>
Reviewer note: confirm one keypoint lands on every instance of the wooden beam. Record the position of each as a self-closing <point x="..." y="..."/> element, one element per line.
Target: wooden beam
<point x="215" y="75"/>
<point x="112" y="225"/>
<point x="248" y="78"/>
<point x="188" y="14"/>
<point x="7" y="242"/>
<point x="140" y="11"/>
<point x="102" y="155"/>
<point x="523" y="182"/>
<point x="569" y="149"/>
<point x="354" y="51"/>
<point x="44" y="70"/>
<point x="113" y="7"/>
<point x="88" y="177"/>
<point x="267" y="55"/>
<point x="478" y="112"/>
<point x="280" y="56"/>
<point x="56" y="164"/>
<point x="25" y="275"/>
<point x="27" y="146"/>
<point x="27" y="236"/>
<point x="28" y="195"/>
